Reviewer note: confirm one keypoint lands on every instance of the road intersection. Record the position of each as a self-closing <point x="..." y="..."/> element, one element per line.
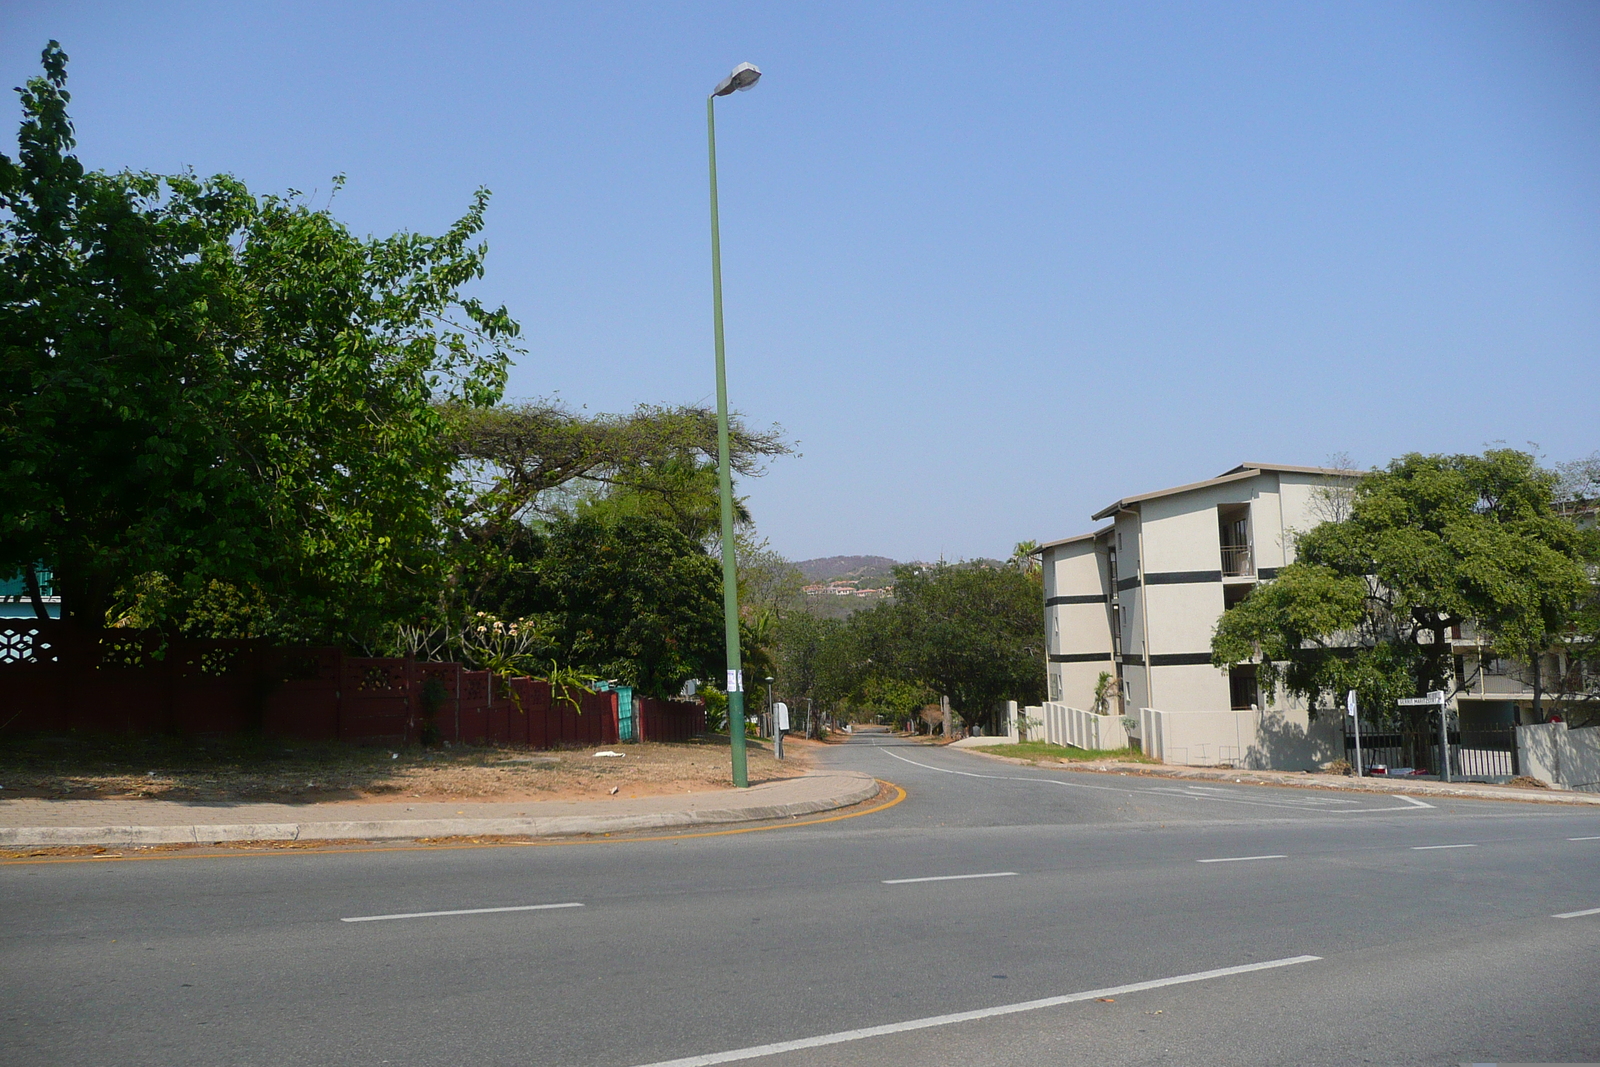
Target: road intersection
<point x="999" y="915"/>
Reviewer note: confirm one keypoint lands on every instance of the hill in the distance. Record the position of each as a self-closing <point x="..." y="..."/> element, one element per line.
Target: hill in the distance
<point x="830" y="567"/>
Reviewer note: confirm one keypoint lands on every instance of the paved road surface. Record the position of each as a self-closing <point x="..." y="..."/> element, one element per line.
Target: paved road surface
<point x="1430" y="926"/>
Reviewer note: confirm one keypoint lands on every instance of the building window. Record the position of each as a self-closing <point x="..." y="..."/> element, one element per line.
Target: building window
<point x="1055" y="686"/>
<point x="1242" y="689"/>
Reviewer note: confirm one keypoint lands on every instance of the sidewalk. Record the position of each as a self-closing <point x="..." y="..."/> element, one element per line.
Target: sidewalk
<point x="162" y="822"/>
<point x="1344" y="783"/>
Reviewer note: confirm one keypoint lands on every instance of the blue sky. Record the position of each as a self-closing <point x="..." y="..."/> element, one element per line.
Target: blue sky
<point x="993" y="266"/>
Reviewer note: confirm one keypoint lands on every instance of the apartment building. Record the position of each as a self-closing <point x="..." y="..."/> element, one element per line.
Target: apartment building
<point x="1139" y="597"/>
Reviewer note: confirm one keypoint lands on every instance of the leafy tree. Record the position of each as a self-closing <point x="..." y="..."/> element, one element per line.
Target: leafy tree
<point x="215" y="399"/>
<point x="535" y="460"/>
<point x="1429" y="543"/>
<point x="971" y="631"/>
<point x="802" y="645"/>
<point x="633" y="600"/>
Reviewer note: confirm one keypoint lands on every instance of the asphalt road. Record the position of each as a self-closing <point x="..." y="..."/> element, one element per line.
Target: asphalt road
<point x="1348" y="929"/>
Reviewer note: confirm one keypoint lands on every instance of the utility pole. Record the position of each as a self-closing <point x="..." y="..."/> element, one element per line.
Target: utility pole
<point x="743" y="77"/>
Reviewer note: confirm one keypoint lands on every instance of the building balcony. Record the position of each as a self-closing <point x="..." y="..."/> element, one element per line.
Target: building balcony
<point x="1238" y="562"/>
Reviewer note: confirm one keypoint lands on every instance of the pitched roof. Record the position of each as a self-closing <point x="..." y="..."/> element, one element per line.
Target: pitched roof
<point x="1242" y="472"/>
<point x="1076" y="537"/>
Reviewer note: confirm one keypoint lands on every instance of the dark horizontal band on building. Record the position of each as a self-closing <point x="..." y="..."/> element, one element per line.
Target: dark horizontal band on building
<point x="1182" y="577"/>
<point x="1082" y="598"/>
<point x="1081" y="657"/>
<point x="1168" y="659"/>
<point x="1188" y="578"/>
<point x="1180" y="659"/>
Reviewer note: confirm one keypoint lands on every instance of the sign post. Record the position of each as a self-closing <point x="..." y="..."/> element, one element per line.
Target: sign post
<point x="1350" y="706"/>
<point x="1436" y="697"/>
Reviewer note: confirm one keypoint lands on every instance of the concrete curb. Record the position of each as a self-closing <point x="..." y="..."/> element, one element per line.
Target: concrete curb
<point x="854" y="788"/>
<point x="1336" y="783"/>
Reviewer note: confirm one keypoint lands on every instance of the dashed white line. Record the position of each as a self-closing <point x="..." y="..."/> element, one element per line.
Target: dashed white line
<point x="839" y="1038"/>
<point x="1241" y="859"/>
<point x="1577" y="914"/>
<point x="949" y="877"/>
<point x="1583" y="839"/>
<point x="1429" y="848"/>
<point x="462" y="911"/>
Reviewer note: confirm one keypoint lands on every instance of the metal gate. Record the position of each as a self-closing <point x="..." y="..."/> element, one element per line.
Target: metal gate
<point x="627" y="730"/>
<point x="1474" y="753"/>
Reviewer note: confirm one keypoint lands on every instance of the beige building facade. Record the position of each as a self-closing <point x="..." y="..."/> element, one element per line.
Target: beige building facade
<point x="1137" y="600"/>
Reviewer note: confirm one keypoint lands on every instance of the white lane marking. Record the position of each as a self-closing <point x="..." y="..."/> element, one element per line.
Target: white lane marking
<point x="1583" y="839"/>
<point x="1414" y="801"/>
<point x="1429" y="848"/>
<point x="757" y="1051"/>
<point x="1577" y="914"/>
<point x="1001" y="777"/>
<point x="463" y="911"/>
<point x="1241" y="859"/>
<point x="949" y="878"/>
<point x="1155" y="791"/>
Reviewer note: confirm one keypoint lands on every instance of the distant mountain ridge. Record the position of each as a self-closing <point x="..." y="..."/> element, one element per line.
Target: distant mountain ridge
<point x="830" y="567"/>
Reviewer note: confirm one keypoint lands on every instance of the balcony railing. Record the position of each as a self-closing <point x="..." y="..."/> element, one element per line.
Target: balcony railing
<point x="1237" y="562"/>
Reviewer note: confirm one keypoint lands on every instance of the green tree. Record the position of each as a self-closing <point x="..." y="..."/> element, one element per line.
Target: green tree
<point x="632" y="599"/>
<point x="214" y="397"/>
<point x="971" y="631"/>
<point x="803" y="641"/>
<point x="1429" y="543"/>
<point x="528" y="461"/>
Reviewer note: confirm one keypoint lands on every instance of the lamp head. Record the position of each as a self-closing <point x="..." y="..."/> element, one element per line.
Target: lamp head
<point x="743" y="77"/>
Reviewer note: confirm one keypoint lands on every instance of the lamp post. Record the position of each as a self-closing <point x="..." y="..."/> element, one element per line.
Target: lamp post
<point x="743" y="77"/>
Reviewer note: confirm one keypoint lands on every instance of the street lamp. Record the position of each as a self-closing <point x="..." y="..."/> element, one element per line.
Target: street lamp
<point x="743" y="77"/>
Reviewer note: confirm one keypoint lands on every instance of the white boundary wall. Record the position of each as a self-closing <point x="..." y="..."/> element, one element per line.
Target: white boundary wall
<point x="1258" y="740"/>
<point x="1063" y="725"/>
<point x="1561" y="757"/>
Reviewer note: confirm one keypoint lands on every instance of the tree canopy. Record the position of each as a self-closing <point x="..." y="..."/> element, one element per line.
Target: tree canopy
<point x="1429" y="543"/>
<point x="972" y="631"/>
<point x="205" y="389"/>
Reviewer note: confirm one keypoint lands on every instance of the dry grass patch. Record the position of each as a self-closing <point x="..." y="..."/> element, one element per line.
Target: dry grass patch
<point x="259" y="769"/>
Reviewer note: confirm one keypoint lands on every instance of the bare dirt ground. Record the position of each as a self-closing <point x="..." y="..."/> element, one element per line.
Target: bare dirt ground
<point x="86" y="768"/>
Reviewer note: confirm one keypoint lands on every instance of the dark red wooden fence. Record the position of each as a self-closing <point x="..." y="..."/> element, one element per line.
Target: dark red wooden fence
<point x="53" y="678"/>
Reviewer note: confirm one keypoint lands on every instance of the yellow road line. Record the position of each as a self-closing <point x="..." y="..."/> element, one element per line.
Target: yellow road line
<point x="900" y="794"/>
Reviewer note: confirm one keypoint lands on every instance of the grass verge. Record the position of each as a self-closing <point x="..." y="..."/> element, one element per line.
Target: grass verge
<point x="1043" y="751"/>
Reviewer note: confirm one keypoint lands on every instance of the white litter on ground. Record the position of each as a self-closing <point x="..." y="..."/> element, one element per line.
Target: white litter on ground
<point x="608" y="752"/>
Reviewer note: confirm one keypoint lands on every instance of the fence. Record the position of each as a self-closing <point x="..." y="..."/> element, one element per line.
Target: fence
<point x="54" y="678"/>
<point x="1474" y="753"/>
<point x="1062" y="725"/>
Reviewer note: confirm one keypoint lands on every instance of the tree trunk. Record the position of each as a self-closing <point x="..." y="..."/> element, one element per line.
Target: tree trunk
<point x="1538" y="691"/>
<point x="31" y="577"/>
